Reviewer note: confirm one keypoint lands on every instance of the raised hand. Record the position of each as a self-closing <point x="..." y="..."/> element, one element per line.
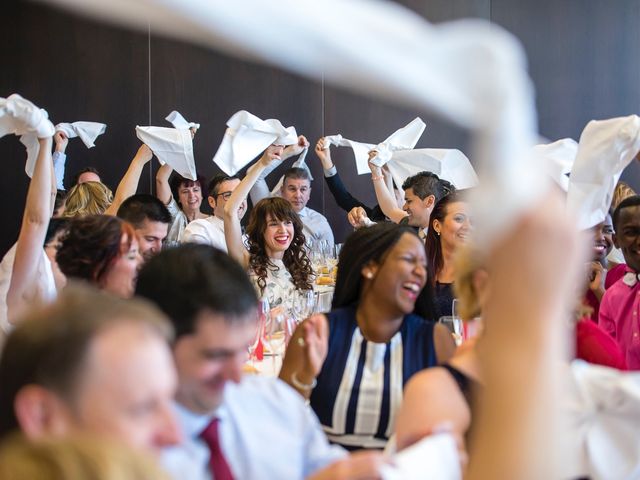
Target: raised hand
<point x="61" y="140"/>
<point x="358" y="218"/>
<point x="295" y="149"/>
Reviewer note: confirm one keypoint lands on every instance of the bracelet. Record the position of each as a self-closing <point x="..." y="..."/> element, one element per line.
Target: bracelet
<point x="376" y="178"/>
<point x="302" y="386"/>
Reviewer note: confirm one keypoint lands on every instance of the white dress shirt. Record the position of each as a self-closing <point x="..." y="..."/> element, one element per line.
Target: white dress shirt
<point x="209" y="231"/>
<point x="266" y="432"/>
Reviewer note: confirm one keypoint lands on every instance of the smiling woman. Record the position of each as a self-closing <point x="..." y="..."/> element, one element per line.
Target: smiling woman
<point x="355" y="375"/>
<point x="276" y="257"/>
<point x="103" y="250"/>
<point x="449" y="229"/>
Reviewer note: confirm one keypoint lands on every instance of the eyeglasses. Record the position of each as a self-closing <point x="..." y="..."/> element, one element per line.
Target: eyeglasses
<point x="224" y="195"/>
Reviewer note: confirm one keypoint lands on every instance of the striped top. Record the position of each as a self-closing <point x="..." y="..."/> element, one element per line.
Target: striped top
<point x="360" y="386"/>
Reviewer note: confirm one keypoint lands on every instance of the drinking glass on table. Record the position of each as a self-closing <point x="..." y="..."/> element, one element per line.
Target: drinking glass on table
<point x="256" y="347"/>
<point x="303" y="304"/>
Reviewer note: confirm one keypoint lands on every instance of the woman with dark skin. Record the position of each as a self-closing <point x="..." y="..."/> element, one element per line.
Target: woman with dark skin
<point x="371" y="343"/>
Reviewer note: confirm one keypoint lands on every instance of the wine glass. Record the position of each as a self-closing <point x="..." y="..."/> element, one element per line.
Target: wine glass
<point x="256" y="347"/>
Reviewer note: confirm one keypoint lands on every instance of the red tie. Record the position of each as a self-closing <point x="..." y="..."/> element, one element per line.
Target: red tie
<point x="217" y="463"/>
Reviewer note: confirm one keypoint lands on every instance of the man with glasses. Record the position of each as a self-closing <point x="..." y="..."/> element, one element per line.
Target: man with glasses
<point x="210" y="230"/>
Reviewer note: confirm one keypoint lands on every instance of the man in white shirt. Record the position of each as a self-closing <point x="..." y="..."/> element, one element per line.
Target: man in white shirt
<point x="210" y="230"/>
<point x="234" y="426"/>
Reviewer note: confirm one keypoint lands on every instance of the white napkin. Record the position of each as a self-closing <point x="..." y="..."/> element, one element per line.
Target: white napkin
<point x="557" y="159"/>
<point x="247" y="137"/>
<point x="360" y="150"/>
<point x="21" y="117"/>
<point x="178" y="121"/>
<point x="403" y="139"/>
<point x="171" y="145"/>
<point x="300" y="163"/>
<point x="434" y="458"/>
<point x="449" y="164"/>
<point x="603" y="413"/>
<point x="606" y="147"/>
<point x="87" y="131"/>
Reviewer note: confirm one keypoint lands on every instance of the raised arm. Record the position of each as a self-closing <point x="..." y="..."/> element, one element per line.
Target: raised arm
<point x="386" y="198"/>
<point x="35" y="222"/>
<point x="59" y="158"/>
<point x="343" y="198"/>
<point x="232" y="228"/>
<point x="129" y="183"/>
<point x="163" y="190"/>
<point x="260" y="189"/>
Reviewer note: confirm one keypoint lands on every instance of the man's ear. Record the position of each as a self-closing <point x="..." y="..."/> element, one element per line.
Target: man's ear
<point x="429" y="201"/>
<point x="212" y="202"/>
<point x="615" y="241"/>
<point x="40" y="412"/>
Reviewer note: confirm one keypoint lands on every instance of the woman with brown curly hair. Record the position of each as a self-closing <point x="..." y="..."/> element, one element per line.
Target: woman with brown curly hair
<point x="276" y="256"/>
<point x="102" y="250"/>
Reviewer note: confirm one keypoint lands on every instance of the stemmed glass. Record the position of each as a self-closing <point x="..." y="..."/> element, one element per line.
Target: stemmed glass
<point x="256" y="347"/>
<point x="303" y="304"/>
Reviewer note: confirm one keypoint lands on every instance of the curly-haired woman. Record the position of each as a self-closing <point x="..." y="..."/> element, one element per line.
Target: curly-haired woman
<point x="276" y="256"/>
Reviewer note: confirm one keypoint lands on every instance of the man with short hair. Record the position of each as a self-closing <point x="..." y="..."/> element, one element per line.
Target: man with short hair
<point x="421" y="192"/>
<point x="87" y="174"/>
<point x="210" y="230"/>
<point x="150" y="219"/>
<point x="90" y="363"/>
<point x="620" y="304"/>
<point x="234" y="426"/>
<point x="296" y="189"/>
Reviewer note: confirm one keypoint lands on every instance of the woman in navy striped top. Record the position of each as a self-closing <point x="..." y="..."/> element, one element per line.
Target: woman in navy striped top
<point x="354" y="362"/>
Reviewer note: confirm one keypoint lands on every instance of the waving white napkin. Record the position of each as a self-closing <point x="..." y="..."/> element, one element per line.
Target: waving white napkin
<point x="19" y="116"/>
<point x="606" y="147"/>
<point x="171" y="145"/>
<point x="449" y="164"/>
<point x="178" y="121"/>
<point x="300" y="163"/>
<point x="603" y="410"/>
<point x="557" y="159"/>
<point x="404" y="138"/>
<point x="247" y="137"/>
<point x="87" y="131"/>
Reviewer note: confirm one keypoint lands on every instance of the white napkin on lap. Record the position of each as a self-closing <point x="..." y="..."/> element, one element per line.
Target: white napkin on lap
<point x="606" y="147"/>
<point x="558" y="158"/>
<point x="172" y="146"/>
<point x="247" y="137"/>
<point x="178" y="121"/>
<point x="434" y="458"/>
<point x="87" y="131"/>
<point x="19" y="116"/>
